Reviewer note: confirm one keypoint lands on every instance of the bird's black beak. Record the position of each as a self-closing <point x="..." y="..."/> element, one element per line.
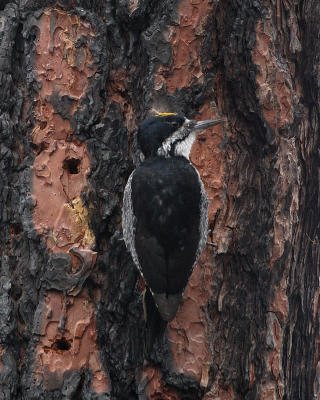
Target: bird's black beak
<point x="201" y="125"/>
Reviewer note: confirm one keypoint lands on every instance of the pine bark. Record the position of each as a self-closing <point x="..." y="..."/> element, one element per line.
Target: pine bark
<point x="77" y="77"/>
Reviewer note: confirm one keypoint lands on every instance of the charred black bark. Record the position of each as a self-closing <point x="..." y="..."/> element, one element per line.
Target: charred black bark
<point x="301" y="351"/>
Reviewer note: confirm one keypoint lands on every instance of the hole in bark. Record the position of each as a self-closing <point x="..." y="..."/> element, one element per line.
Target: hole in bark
<point x="71" y="165"/>
<point x="202" y="139"/>
<point x="39" y="148"/>
<point x="43" y="146"/>
<point x="43" y="124"/>
<point x="34" y="146"/>
<point x="16" y="229"/>
<point x="61" y="344"/>
<point x="15" y="292"/>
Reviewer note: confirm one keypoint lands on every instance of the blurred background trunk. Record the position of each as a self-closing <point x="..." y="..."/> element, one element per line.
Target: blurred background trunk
<point x="77" y="77"/>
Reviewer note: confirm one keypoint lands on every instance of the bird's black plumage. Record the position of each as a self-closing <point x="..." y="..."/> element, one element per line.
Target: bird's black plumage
<point x="166" y="196"/>
<point x="165" y="211"/>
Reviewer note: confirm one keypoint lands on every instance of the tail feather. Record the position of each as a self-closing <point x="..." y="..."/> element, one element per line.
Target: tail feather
<point x="155" y="325"/>
<point x="167" y="304"/>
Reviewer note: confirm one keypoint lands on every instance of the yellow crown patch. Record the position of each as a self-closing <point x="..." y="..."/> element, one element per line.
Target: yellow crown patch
<point x="165" y="114"/>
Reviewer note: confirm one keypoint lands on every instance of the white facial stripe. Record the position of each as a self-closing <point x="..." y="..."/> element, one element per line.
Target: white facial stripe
<point x="183" y="147"/>
<point x="164" y="150"/>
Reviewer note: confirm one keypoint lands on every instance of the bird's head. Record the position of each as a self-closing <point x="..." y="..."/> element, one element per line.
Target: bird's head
<point x="170" y="135"/>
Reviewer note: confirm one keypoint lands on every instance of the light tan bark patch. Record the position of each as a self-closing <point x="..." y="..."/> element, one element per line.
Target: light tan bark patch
<point x="68" y="341"/>
<point x="274" y="82"/>
<point x="62" y="163"/>
<point x="185" y="40"/>
<point x="64" y="65"/>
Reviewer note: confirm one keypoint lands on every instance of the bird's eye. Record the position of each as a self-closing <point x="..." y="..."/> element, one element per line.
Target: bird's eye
<point x="174" y="124"/>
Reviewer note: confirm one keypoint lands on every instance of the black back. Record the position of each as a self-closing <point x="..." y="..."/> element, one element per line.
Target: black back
<point x="166" y="198"/>
<point x="153" y="131"/>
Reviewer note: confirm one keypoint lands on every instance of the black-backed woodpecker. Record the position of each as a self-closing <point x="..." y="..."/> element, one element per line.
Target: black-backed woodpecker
<point x="165" y="214"/>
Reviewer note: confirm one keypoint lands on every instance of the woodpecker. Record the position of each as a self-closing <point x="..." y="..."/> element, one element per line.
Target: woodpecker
<point x="165" y="213"/>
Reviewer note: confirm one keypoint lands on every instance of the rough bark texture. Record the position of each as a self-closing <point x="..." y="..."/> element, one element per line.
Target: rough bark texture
<point x="76" y="77"/>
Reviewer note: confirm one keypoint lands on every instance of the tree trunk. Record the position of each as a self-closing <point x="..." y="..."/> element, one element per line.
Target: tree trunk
<point x="77" y="77"/>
